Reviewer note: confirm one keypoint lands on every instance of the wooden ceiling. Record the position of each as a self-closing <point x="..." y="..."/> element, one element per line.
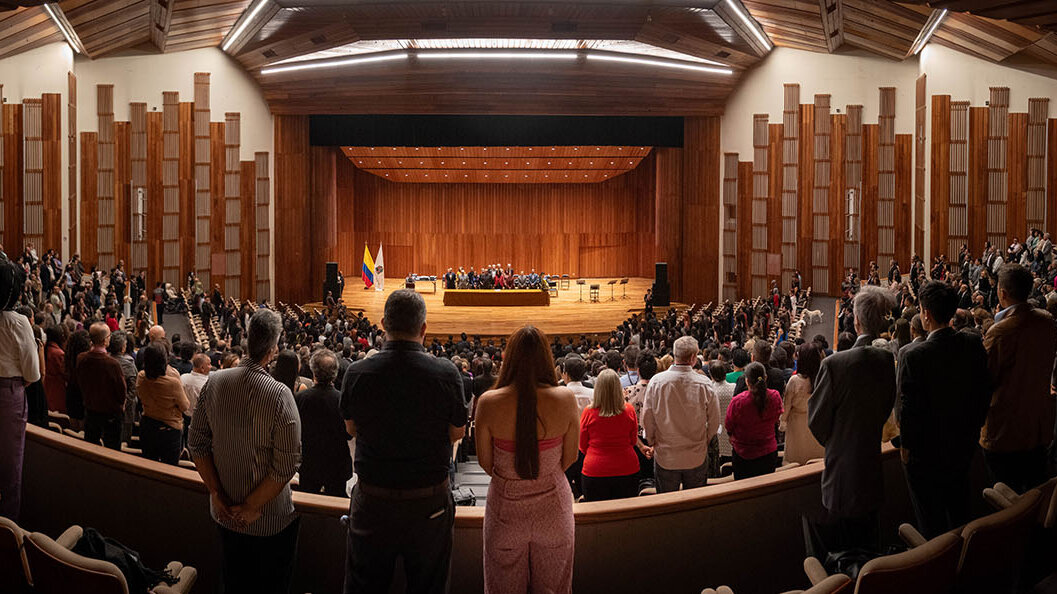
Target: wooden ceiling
<point x="497" y="164"/>
<point x="697" y="29"/>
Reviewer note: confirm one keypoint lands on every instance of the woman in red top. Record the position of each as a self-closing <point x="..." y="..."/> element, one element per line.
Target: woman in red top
<point x="750" y="422"/>
<point x="608" y="432"/>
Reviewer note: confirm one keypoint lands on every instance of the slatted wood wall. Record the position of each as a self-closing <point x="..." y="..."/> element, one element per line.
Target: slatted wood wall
<point x="51" y="148"/>
<point x="729" y="217"/>
<point x="89" y="209"/>
<point x="138" y="127"/>
<point x="997" y="165"/>
<point x="745" y="226"/>
<point x="187" y="190"/>
<point x="159" y="216"/>
<point x="820" y="197"/>
<point x="33" y="189"/>
<point x="1017" y="177"/>
<point x="1035" y="192"/>
<point x="871" y="143"/>
<point x="122" y="192"/>
<point x="920" y="162"/>
<point x="263" y="199"/>
<point x="171" y="231"/>
<point x="203" y="259"/>
<point x="3" y="187"/>
<point x="761" y="185"/>
<point x="1051" y="177"/>
<point x="790" y="186"/>
<point x="837" y="217"/>
<point x="106" y="236"/>
<point x="248" y="227"/>
<point x="853" y="176"/>
<point x="958" y="210"/>
<point x="217" y="219"/>
<point x="940" y="172"/>
<point x="979" y="123"/>
<point x="886" y="178"/>
<point x="71" y="148"/>
<point x="232" y="206"/>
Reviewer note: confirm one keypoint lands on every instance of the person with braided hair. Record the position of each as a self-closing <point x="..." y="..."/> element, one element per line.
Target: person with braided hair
<point x="750" y="422"/>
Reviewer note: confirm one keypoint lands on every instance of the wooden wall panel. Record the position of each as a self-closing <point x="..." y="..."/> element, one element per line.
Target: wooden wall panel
<point x="323" y="203"/>
<point x="159" y="241"/>
<point x="761" y="189"/>
<point x="1051" y="177"/>
<point x="746" y="230"/>
<point x="818" y="212"/>
<point x="668" y="205"/>
<point x="263" y="227"/>
<point x="904" y="196"/>
<point x="776" y="141"/>
<point x="790" y="181"/>
<point x="291" y="216"/>
<point x="853" y="179"/>
<point x="203" y="194"/>
<point x="997" y="166"/>
<point x="89" y="211"/>
<point x="186" y="189"/>
<point x="886" y="178"/>
<point x="138" y="152"/>
<point x="3" y="187"/>
<point x="232" y="208"/>
<point x="105" y="174"/>
<point x="1017" y="178"/>
<point x="1035" y="194"/>
<point x="247" y="229"/>
<point x="805" y="188"/>
<point x="217" y="258"/>
<point x="171" y="204"/>
<point x="71" y="170"/>
<point x="33" y="176"/>
<point x="122" y="191"/>
<point x="979" y="123"/>
<point x="51" y="146"/>
<point x="729" y="218"/>
<point x="940" y="180"/>
<point x="958" y="212"/>
<point x="920" y="163"/>
<point x="837" y="216"/>
<point x="13" y="164"/>
<point x="871" y="145"/>
<point x="701" y="207"/>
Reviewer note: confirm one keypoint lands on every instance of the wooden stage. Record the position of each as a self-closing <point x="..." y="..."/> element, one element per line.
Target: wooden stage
<point x="565" y="316"/>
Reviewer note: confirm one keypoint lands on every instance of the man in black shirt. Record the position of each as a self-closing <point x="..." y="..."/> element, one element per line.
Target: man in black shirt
<point x="405" y="408"/>
<point x="325" y="461"/>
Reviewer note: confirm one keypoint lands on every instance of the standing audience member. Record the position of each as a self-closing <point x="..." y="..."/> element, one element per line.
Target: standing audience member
<point x="20" y="355"/>
<point x="680" y="414"/>
<point x="750" y="421"/>
<point x="526" y="437"/>
<point x="724" y="390"/>
<point x="853" y="398"/>
<point x="800" y="444"/>
<point x="55" y="379"/>
<point x="192" y="384"/>
<point x="78" y="343"/>
<point x="1020" y="347"/>
<point x="102" y="385"/>
<point x="245" y="439"/>
<point x="944" y="393"/>
<point x="631" y="364"/>
<point x="164" y="404"/>
<point x="118" y="350"/>
<point x="405" y="408"/>
<point x="325" y="461"/>
<point x="608" y="435"/>
<point x="574" y="370"/>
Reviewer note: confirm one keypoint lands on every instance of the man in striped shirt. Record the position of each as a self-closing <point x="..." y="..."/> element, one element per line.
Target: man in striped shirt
<point x="245" y="439"/>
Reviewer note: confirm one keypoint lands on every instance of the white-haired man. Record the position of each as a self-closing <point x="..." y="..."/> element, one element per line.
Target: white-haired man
<point x="680" y="414"/>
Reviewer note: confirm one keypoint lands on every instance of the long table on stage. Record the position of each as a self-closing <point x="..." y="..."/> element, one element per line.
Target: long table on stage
<point x="496" y="297"/>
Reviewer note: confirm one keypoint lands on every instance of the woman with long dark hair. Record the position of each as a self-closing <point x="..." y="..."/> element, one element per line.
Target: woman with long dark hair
<point x="800" y="443"/>
<point x="750" y="422"/>
<point x="527" y="431"/>
<point x="164" y="403"/>
<point x="286" y="369"/>
<point x="78" y="343"/>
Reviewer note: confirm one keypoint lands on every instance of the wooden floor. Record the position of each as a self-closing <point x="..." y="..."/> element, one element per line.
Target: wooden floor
<point x="566" y="315"/>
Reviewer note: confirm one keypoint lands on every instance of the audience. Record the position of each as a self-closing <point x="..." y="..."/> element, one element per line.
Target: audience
<point x="608" y="436"/>
<point x="527" y="434"/>
<point x="573" y="372"/>
<point x="750" y="422"/>
<point x="800" y="443"/>
<point x="118" y="350"/>
<point x="325" y="461"/>
<point x="101" y="383"/>
<point x="55" y="368"/>
<point x="724" y="391"/>
<point x="164" y="404"/>
<point x="192" y="384"/>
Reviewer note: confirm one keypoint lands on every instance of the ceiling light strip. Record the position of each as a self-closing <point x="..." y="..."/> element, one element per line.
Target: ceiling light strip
<point x="333" y="63"/>
<point x="497" y="55"/>
<point x="59" y="18"/>
<point x="240" y="26"/>
<point x="659" y="63"/>
<point x="934" y="22"/>
<point x="751" y="24"/>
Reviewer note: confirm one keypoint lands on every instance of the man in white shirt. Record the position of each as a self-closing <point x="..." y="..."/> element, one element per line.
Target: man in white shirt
<point x="193" y="383"/>
<point x="573" y="376"/>
<point x="680" y="415"/>
<point x="631" y="364"/>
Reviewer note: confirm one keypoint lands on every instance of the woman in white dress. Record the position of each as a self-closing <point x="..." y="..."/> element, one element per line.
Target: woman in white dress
<point x="800" y="444"/>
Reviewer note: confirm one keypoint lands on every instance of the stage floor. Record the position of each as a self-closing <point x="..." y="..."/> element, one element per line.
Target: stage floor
<point x="566" y="315"/>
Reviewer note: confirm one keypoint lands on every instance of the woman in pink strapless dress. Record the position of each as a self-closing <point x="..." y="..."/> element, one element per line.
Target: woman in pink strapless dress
<point x="527" y="432"/>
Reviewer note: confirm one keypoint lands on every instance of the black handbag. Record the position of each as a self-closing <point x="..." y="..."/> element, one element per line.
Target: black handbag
<point x="464" y="497"/>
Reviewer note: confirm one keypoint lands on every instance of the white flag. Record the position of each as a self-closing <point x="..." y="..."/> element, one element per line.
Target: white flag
<point x="379" y="270"/>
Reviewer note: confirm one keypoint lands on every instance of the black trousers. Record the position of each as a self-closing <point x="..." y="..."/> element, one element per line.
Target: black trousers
<point x="381" y="530"/>
<point x="573" y="474"/>
<point x="939" y="495"/>
<point x="335" y="487"/>
<point x="743" y="468"/>
<point x="160" y="442"/>
<point x="103" y="426"/>
<point x="602" y="488"/>
<point x="1022" y="471"/>
<point x="259" y="564"/>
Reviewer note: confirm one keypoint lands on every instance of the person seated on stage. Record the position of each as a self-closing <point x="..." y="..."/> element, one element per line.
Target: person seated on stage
<point x="520" y="280"/>
<point x="500" y="278"/>
<point x="449" y="279"/>
<point x="533" y="279"/>
<point x="473" y="279"/>
<point x="409" y="282"/>
<point x="509" y="277"/>
<point x="463" y="279"/>
<point x="486" y="278"/>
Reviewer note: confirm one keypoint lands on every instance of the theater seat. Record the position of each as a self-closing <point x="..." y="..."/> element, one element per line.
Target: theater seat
<point x="13" y="567"/>
<point x="1001" y="496"/>
<point x="931" y="567"/>
<point x="830" y="585"/>
<point x="55" y="569"/>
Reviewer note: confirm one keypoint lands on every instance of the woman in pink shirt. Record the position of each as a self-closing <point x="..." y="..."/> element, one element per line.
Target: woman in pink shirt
<point x="750" y="422"/>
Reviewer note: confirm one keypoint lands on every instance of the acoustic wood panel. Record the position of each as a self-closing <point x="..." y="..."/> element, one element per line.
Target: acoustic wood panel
<point x="89" y="211"/>
<point x="203" y="202"/>
<point x="122" y="192"/>
<point x="71" y="169"/>
<point x="160" y="245"/>
<point x="3" y="171"/>
<point x="1051" y="177"/>
<point x="805" y="187"/>
<point x="106" y="235"/>
<point x="51" y="153"/>
<point x="958" y="211"/>
<point x="217" y="163"/>
<point x="247" y="231"/>
<point x="904" y="156"/>
<point x="997" y="165"/>
<point x="853" y="179"/>
<point x="187" y="189"/>
<point x="729" y="218"/>
<point x="775" y="222"/>
<point x="232" y="207"/>
<point x="1035" y="203"/>
<point x="171" y="252"/>
<point x="837" y="217"/>
<point x="291" y="217"/>
<point x="668" y="206"/>
<point x="920" y="162"/>
<point x="822" y="176"/>
<point x="1017" y="178"/>
<point x="940" y="180"/>
<point x="746" y="228"/>
<point x="323" y="202"/>
<point x="870" y="148"/>
<point x="701" y="210"/>
<point x="886" y="177"/>
<point x="262" y="197"/>
<point x="138" y="190"/>
<point x="33" y="176"/>
<point x="979" y="123"/>
<point x="761" y="186"/>
<point x="790" y="180"/>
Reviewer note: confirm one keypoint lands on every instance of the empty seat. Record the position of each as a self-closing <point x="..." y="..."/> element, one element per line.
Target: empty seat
<point x="594" y="293"/>
<point x="930" y="567"/>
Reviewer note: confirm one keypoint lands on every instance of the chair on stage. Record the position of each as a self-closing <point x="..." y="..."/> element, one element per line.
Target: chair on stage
<point x="565" y="282"/>
<point x="552" y="286"/>
<point x="624" y="287"/>
<point x="594" y="293"/>
<point x="612" y="289"/>
<point x="580" y="282"/>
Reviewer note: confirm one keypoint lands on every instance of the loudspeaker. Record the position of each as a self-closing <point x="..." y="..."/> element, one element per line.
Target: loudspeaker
<point x="330" y="282"/>
<point x="661" y="289"/>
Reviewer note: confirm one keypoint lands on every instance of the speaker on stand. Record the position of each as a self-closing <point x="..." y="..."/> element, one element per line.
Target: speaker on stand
<point x="662" y="294"/>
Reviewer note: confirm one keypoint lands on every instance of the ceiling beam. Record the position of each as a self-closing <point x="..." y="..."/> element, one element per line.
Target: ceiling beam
<point x="160" y="20"/>
<point x="832" y="13"/>
<point x="253" y="19"/>
<point x="738" y="18"/>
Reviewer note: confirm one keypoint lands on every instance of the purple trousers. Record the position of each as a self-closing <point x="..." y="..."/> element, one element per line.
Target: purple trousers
<point x="13" y="412"/>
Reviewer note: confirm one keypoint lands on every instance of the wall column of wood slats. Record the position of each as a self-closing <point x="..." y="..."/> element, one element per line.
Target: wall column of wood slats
<point x="263" y="227"/>
<point x="820" y="197"/>
<point x="745" y="225"/>
<point x="920" y="164"/>
<point x="940" y="180"/>
<point x="71" y="171"/>
<point x="171" y="269"/>
<point x="853" y="178"/>
<point x="187" y="190"/>
<point x="730" y="225"/>
<point x="760" y="191"/>
<point x="870" y="173"/>
<point x="122" y="192"/>
<point x="33" y="176"/>
<point x="13" y="160"/>
<point x="979" y="124"/>
<point x="217" y="208"/>
<point x="790" y="188"/>
<point x="138" y="153"/>
<point x="904" y="229"/>
<point x="51" y="163"/>
<point x="247" y="232"/>
<point x="232" y="208"/>
<point x="702" y="162"/>
<point x="292" y="219"/>
<point x="997" y="166"/>
<point x="3" y="188"/>
<point x="105" y="178"/>
<point x="155" y="199"/>
<point x="775" y="222"/>
<point x="667" y="202"/>
<point x="958" y="189"/>
<point x="1051" y="178"/>
<point x="805" y="184"/>
<point x="89" y="236"/>
<point x="203" y="256"/>
<point x="1035" y="194"/>
<point x="1017" y="177"/>
<point x="837" y="191"/>
<point x="886" y="178"/>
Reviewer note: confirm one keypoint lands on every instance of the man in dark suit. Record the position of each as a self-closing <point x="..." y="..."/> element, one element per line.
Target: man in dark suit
<point x="449" y="279"/>
<point x="326" y="463"/>
<point x="944" y="393"/>
<point x="761" y="353"/>
<point x="853" y="398"/>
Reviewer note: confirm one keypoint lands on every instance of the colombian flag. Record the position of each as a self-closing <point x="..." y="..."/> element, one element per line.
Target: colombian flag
<point x="368" y="267"/>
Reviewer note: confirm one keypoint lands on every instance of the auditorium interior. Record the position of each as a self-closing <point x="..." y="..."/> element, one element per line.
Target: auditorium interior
<point x="608" y="171"/>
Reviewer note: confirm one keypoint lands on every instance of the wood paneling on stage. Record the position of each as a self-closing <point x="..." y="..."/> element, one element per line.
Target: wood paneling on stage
<point x="494" y="298"/>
